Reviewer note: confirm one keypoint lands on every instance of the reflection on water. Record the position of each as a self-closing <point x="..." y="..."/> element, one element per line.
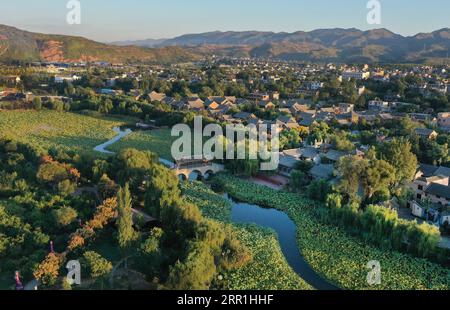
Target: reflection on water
<point x="244" y="213"/>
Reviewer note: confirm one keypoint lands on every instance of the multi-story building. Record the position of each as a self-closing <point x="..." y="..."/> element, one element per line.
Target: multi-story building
<point x="378" y="105"/>
<point x="357" y="75"/>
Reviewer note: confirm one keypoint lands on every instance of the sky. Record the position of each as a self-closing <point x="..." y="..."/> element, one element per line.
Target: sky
<point x="115" y="20"/>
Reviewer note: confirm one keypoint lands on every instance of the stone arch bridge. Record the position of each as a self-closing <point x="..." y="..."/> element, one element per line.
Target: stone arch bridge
<point x="196" y="169"/>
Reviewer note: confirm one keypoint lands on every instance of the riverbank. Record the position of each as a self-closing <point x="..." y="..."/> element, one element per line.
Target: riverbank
<point x="278" y="221"/>
<point x="338" y="257"/>
<point x="269" y="269"/>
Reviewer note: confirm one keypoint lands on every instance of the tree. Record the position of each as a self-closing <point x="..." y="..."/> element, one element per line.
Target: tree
<point x="66" y="187"/>
<point x="378" y="176"/>
<point x="162" y="190"/>
<point x="65" y="216"/>
<point x="126" y="233"/>
<point x="150" y="253"/>
<point x="37" y="103"/>
<point x="318" y="190"/>
<point x="298" y="180"/>
<point x="52" y="172"/>
<point x="107" y="188"/>
<point x="398" y="154"/>
<point x="47" y="271"/>
<point x="97" y="266"/>
<point x="105" y="106"/>
<point x="351" y="168"/>
<point x="133" y="165"/>
<point x="194" y="273"/>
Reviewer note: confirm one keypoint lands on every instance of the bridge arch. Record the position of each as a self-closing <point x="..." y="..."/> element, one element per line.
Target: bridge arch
<point x="195" y="175"/>
<point x="182" y="177"/>
<point x="208" y="174"/>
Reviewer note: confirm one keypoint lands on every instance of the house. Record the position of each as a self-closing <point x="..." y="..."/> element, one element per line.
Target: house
<point x="168" y="100"/>
<point x="368" y="117"/>
<point x="211" y="104"/>
<point x="107" y="91"/>
<point x="310" y="154"/>
<point x="256" y="96"/>
<point x="378" y="105"/>
<point x="155" y="96"/>
<point x="13" y="79"/>
<point x="241" y="102"/>
<point x="357" y="75"/>
<point x="62" y="79"/>
<point x="313" y="85"/>
<point x="426" y="133"/>
<point x="286" y="164"/>
<point x="244" y="116"/>
<point x="307" y="119"/>
<point x="438" y="194"/>
<point x="275" y="95"/>
<point x="297" y="108"/>
<point x="417" y="209"/>
<point x="427" y="176"/>
<point x="321" y="172"/>
<point x="345" y="108"/>
<point x="445" y="218"/>
<point x="194" y="104"/>
<point x="287" y="122"/>
<point x="334" y="155"/>
<point x="230" y="100"/>
<point x="444" y="119"/>
<point x="266" y="104"/>
<point x="421" y="117"/>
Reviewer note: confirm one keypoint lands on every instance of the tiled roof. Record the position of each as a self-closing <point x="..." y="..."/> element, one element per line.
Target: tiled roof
<point x="439" y="190"/>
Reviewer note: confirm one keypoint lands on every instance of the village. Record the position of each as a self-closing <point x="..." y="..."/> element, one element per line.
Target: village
<point x="300" y="113"/>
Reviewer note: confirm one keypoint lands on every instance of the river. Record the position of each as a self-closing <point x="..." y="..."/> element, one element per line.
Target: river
<point x="243" y="213"/>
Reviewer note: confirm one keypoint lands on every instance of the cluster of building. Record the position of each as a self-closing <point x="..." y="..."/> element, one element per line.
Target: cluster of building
<point x="431" y="188"/>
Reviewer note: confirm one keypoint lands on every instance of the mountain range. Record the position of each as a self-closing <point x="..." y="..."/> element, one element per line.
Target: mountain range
<point x="335" y="45"/>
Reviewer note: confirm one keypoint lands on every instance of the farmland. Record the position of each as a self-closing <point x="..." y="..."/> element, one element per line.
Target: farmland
<point x="67" y="131"/>
<point x="79" y="133"/>
<point x="156" y="141"/>
<point x="337" y="256"/>
<point x="268" y="269"/>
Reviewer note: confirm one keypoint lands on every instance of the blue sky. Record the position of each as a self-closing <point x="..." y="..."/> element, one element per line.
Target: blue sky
<point x="109" y="20"/>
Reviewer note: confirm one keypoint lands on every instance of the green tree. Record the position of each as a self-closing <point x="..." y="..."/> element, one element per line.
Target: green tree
<point x="65" y="216"/>
<point x="126" y="233"/>
<point x="37" y="103"/>
<point x="97" y="266"/>
<point x="398" y="153"/>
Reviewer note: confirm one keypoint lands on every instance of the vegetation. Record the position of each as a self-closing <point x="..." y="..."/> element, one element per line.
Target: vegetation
<point x="335" y="254"/>
<point x="48" y="130"/>
<point x="156" y="141"/>
<point x="268" y="268"/>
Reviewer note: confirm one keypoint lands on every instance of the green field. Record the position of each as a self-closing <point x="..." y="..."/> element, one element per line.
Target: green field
<point x="68" y="131"/>
<point x="80" y="132"/>
<point x="156" y="141"/>
<point x="269" y="268"/>
<point x="329" y="250"/>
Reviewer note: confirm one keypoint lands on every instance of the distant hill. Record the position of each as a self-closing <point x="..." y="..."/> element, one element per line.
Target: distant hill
<point x="141" y="43"/>
<point x="350" y="45"/>
<point x="19" y="45"/>
<point x="334" y="45"/>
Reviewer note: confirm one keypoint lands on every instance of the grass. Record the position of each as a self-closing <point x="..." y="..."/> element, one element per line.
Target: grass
<point x="156" y="141"/>
<point x="269" y="269"/>
<point x="50" y="129"/>
<point x="330" y="251"/>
